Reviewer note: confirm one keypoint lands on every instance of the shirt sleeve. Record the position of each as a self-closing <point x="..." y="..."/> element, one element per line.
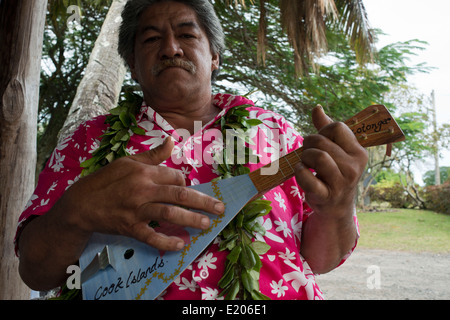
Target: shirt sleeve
<point x="61" y="171"/>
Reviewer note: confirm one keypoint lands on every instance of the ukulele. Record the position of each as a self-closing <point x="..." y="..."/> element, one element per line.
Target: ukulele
<point x="120" y="268"/>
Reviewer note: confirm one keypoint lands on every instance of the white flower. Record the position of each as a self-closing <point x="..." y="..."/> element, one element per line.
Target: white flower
<point x="295" y="191"/>
<point x="185" y="171"/>
<point x="184" y="284"/>
<point x="288" y="255"/>
<point x="280" y="199"/>
<point x="267" y="225"/>
<point x="282" y="226"/>
<point x="94" y="146"/>
<point x="207" y="261"/>
<point x="296" y="225"/>
<point x="210" y="294"/>
<point x="58" y="162"/>
<point x="131" y="150"/>
<point x="278" y="288"/>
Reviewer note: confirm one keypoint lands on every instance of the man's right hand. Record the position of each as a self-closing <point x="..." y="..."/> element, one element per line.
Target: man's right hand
<point x="123" y="197"/>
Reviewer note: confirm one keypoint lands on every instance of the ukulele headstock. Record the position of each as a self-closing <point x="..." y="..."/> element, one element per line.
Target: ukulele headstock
<point x="375" y="126"/>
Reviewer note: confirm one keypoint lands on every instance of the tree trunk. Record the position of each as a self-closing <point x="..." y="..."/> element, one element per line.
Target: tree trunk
<point x="100" y="87"/>
<point x="21" y="33"/>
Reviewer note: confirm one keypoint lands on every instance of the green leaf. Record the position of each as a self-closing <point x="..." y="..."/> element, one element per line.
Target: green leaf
<point x="88" y="162"/>
<point x="227" y="277"/>
<point x="249" y="281"/>
<point x="233" y="256"/>
<point x="260" y="247"/>
<point x="138" y="130"/>
<point x="246" y="258"/>
<point x="256" y="295"/>
<point x="234" y="290"/>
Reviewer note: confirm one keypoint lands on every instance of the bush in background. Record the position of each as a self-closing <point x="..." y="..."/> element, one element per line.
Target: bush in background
<point x="437" y="198"/>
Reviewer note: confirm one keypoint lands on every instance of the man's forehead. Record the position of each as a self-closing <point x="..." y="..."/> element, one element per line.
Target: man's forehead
<point x="177" y="14"/>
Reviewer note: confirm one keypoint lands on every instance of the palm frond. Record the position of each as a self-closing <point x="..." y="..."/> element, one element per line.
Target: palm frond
<point x="304" y="24"/>
<point x="354" y="20"/>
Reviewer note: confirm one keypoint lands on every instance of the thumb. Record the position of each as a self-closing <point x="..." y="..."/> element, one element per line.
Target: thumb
<point x="319" y="118"/>
<point x="156" y="155"/>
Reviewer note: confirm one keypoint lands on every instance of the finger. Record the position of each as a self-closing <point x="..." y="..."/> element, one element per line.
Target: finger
<point x="323" y="143"/>
<point x="166" y="176"/>
<point x="319" y="118"/>
<point x="157" y="240"/>
<point x="340" y="133"/>
<point x="175" y="215"/>
<point x="311" y="185"/>
<point x="156" y="155"/>
<point x="188" y="197"/>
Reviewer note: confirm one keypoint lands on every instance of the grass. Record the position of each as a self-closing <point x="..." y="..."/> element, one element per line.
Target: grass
<point x="405" y="230"/>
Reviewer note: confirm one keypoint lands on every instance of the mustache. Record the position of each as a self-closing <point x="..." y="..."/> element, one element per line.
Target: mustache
<point x="174" y="62"/>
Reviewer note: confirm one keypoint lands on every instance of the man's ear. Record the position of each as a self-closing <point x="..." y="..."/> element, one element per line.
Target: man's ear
<point x="132" y="66"/>
<point x="215" y="62"/>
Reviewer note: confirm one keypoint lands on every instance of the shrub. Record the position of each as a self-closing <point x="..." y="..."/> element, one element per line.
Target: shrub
<point x="437" y="198"/>
<point x="392" y="193"/>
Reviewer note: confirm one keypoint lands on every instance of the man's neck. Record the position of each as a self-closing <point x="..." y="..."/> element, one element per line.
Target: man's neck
<point x="183" y="116"/>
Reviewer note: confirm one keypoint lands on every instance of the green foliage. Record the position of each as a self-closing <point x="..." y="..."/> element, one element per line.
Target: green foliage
<point x="437" y="198"/>
<point x="429" y="177"/>
<point x="122" y="122"/>
<point x="242" y="269"/>
<point x="341" y="84"/>
<point x="393" y="193"/>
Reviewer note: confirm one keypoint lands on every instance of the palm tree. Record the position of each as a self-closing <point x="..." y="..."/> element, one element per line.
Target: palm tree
<point x="305" y="23"/>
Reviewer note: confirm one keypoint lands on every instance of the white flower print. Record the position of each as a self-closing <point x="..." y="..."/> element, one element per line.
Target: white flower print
<point x="267" y="225"/>
<point x="94" y="146"/>
<point x="295" y="191"/>
<point x="282" y="226"/>
<point x="185" y="171"/>
<point x="185" y="284"/>
<point x="296" y="225"/>
<point x="71" y="182"/>
<point x="52" y="187"/>
<point x="280" y="199"/>
<point x="210" y="294"/>
<point x="58" y="162"/>
<point x="278" y="288"/>
<point x="30" y="201"/>
<point x="288" y="255"/>
<point x="207" y="261"/>
<point x="131" y="150"/>
<point x="301" y="279"/>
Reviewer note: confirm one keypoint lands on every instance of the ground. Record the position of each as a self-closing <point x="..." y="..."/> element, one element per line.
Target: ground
<point x="401" y="276"/>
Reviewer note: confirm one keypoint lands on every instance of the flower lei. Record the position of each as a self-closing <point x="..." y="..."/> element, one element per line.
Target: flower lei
<point x="243" y="265"/>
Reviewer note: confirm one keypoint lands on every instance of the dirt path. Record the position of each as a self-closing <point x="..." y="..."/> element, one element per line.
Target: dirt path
<point x="401" y="276"/>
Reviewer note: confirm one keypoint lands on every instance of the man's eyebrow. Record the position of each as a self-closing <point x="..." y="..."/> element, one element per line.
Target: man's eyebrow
<point x="148" y="28"/>
<point x="189" y="24"/>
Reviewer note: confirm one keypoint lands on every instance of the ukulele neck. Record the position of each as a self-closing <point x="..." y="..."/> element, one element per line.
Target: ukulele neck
<point x="373" y="126"/>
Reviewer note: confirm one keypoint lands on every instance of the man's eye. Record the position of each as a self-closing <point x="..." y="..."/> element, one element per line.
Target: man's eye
<point x="187" y="36"/>
<point x="151" y="39"/>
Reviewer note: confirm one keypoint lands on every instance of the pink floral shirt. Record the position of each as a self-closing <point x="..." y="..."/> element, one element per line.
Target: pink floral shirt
<point x="285" y="273"/>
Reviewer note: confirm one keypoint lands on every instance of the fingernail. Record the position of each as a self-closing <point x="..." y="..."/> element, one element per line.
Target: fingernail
<point x="205" y="223"/>
<point x="180" y="245"/>
<point x="219" y="207"/>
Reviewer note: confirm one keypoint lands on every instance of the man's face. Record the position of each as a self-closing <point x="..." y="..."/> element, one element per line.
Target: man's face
<point x="172" y="57"/>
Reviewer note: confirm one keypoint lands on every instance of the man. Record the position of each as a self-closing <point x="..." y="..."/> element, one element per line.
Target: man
<point x="173" y="50"/>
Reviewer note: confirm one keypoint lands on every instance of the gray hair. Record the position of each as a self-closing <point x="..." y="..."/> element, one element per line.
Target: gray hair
<point x="205" y="14"/>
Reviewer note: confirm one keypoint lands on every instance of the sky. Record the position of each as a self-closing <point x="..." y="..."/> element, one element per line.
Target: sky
<point x="429" y="21"/>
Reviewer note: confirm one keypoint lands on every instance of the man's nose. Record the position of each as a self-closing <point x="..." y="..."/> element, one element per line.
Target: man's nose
<point x="170" y="48"/>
